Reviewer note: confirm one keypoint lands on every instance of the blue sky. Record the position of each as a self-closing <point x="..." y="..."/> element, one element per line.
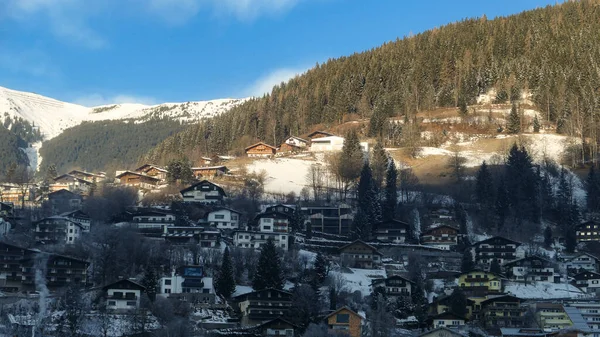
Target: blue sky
<point x="150" y="51"/>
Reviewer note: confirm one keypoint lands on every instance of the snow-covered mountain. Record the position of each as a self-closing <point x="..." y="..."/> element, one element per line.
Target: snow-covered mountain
<point x="53" y="116"/>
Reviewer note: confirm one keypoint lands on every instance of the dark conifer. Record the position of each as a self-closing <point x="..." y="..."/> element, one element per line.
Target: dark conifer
<point x="514" y="121"/>
<point x="321" y="268"/>
<point x="593" y="190"/>
<point x="268" y="271"/>
<point x="467" y="261"/>
<point x="150" y="281"/>
<point x="495" y="267"/>
<point x="224" y="280"/>
<point x="391" y="191"/>
<point x="548" y="237"/>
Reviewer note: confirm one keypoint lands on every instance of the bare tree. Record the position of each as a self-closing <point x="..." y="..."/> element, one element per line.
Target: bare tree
<point x="315" y="179"/>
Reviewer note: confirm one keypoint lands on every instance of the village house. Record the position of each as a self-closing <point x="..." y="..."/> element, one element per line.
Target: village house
<point x="189" y="284"/>
<point x="136" y="179"/>
<point x="531" y="269"/>
<point x="87" y="175"/>
<point x="551" y="316"/>
<point x="123" y="295"/>
<point x="209" y="171"/>
<point x="585" y="315"/>
<point x="57" y="230"/>
<point x="79" y="217"/>
<point x="253" y="239"/>
<point x="276" y="327"/>
<point x="18" y="194"/>
<point x="260" y="149"/>
<point x="446" y="319"/>
<point x="273" y="222"/>
<point x="71" y="183"/>
<point x="204" y="192"/>
<point x="394" y="286"/>
<point x="329" y="219"/>
<point x="293" y="144"/>
<point x="224" y="218"/>
<point x="209" y="238"/>
<point x="182" y="235"/>
<point x="478" y="281"/>
<point x="496" y="248"/>
<point x="391" y="231"/>
<point x="319" y="134"/>
<point x="503" y="311"/>
<point x="281" y="208"/>
<point x="18" y="266"/>
<point x="444" y="304"/>
<point x="587" y="281"/>
<point x="64" y="201"/>
<point x="580" y="262"/>
<point x="153" y="171"/>
<point x="587" y="231"/>
<point x="359" y="254"/>
<point x="152" y="222"/>
<point x="263" y="305"/>
<point x="442" y="236"/>
<point x="345" y="321"/>
<point x="327" y="144"/>
<point x="443" y="332"/>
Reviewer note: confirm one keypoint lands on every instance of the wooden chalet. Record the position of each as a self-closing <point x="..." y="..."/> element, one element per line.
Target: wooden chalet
<point x="204" y="192"/>
<point x="136" y="179"/>
<point x="345" y="321"/>
<point x="359" y="254"/>
<point x="442" y="236"/>
<point x="263" y="305"/>
<point x="209" y="171"/>
<point x="260" y="149"/>
<point x="152" y="171"/>
<point x="87" y="175"/>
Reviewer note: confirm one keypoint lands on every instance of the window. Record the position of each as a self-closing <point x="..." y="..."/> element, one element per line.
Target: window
<point x="131" y="303"/>
<point x="167" y="282"/>
<point x="167" y="290"/>
<point x="113" y="303"/>
<point x="267" y="220"/>
<point x="342" y="318"/>
<point x="219" y="216"/>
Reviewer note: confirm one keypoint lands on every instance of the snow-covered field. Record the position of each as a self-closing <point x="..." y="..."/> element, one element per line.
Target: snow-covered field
<point x="359" y="279"/>
<point x="544" y="290"/>
<point x="284" y="175"/>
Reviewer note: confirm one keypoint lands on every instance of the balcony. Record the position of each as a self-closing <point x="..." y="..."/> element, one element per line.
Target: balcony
<point x="495" y="250"/>
<point x="121" y="297"/>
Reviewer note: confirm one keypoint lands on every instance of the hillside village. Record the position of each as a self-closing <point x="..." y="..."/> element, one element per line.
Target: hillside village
<point x="210" y="253"/>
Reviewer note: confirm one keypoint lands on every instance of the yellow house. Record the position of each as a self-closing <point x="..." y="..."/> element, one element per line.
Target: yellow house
<point x="345" y="322"/>
<point x="479" y="280"/>
<point x="551" y="316"/>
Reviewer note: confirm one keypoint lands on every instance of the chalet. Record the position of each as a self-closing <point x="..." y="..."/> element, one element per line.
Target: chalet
<point x="391" y="231"/>
<point x="152" y="222"/>
<point x="359" y="254"/>
<point x="587" y="281"/>
<point x="17" y="193"/>
<point x="319" y="134"/>
<point x="327" y="144"/>
<point x="346" y="322"/>
<point x="531" y="269"/>
<point x="273" y="222"/>
<point x="183" y="235"/>
<point x="80" y="217"/>
<point x="276" y="327"/>
<point x="443" y="332"/>
<point x="588" y="231"/>
<point x="72" y="183"/>
<point x="504" y="311"/>
<point x="18" y="266"/>
<point x="585" y="315"/>
<point x="330" y="220"/>
<point x="209" y="238"/>
<point x="188" y="283"/>
<point x="57" y="230"/>
<point x="480" y="281"/>
<point x="252" y="239"/>
<point x="293" y="144"/>
<point x="87" y="175"/>
<point x="446" y="319"/>
<point x="551" y="316"/>
<point x="263" y="305"/>
<point x="443" y="304"/>
<point x="281" y="208"/>
<point x="260" y="149"/>
<point x="442" y="236"/>
<point x="224" y="218"/>
<point x="123" y="295"/>
<point x="152" y="171"/>
<point x="209" y="171"/>
<point x="496" y="248"/>
<point x="581" y="262"/>
<point x="394" y="286"/>
<point x="136" y="179"/>
<point x="204" y="192"/>
<point x="64" y="201"/>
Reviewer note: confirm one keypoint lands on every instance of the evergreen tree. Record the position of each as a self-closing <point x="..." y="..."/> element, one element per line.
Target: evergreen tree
<point x="419" y="301"/>
<point x="351" y="160"/>
<point x="547" y="195"/>
<point x="548" y="237"/>
<point x="180" y="172"/>
<point x="514" y="121"/>
<point x="462" y="106"/>
<point x="484" y="185"/>
<point x="379" y="163"/>
<point x="368" y="200"/>
<point x="224" y="280"/>
<point x="415" y="225"/>
<point x="522" y="185"/>
<point x="593" y="190"/>
<point x="564" y="200"/>
<point x="458" y="303"/>
<point x="495" y="267"/>
<point x="321" y="268"/>
<point x="536" y="124"/>
<point x="502" y="203"/>
<point x="268" y="272"/>
<point x="570" y="240"/>
<point x="467" y="261"/>
<point x="391" y="191"/>
<point x="361" y="228"/>
<point x="150" y="281"/>
<point x="332" y="298"/>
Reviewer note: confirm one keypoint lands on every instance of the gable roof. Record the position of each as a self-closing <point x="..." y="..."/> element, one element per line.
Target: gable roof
<point x="210" y="168"/>
<point x="588" y="222"/>
<point x="260" y="143"/>
<point x="450" y="331"/>
<point x="526" y="258"/>
<point x="88" y="174"/>
<point x="479" y="270"/>
<point x="394" y="277"/>
<point x="587" y="275"/>
<point x="298" y="138"/>
<point x="137" y="174"/>
<point x="273" y="215"/>
<point x="278" y="319"/>
<point x="203" y="182"/>
<point x="391" y="224"/>
<point x="150" y="166"/>
<point x="505" y="240"/>
<point x="224" y="209"/>
<point x="79" y="214"/>
<point x="431" y="229"/>
<point x="582" y="254"/>
<point x="125" y="282"/>
<point x="262" y="290"/>
<point x="504" y="297"/>
<point x="344" y="308"/>
<point x="66" y="175"/>
<point x="63" y="191"/>
<point x="59" y="218"/>
<point x="445" y="299"/>
<point x="362" y="243"/>
<point x="312" y="134"/>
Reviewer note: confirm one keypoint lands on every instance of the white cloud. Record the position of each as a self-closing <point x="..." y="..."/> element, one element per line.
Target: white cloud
<point x="265" y="84"/>
<point x="93" y="100"/>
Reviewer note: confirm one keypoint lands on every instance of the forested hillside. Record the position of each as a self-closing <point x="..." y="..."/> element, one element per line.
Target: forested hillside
<point x="552" y="52"/>
<point x="10" y="151"/>
<point x="105" y="145"/>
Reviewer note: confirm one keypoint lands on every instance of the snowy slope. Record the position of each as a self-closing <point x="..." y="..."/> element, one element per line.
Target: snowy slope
<point x="53" y="116"/>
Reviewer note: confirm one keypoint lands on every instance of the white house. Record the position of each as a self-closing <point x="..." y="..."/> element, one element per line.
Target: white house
<point x="153" y="220"/>
<point x="252" y="239"/>
<point x="123" y="295"/>
<point x="296" y="141"/>
<point x="588" y="281"/>
<point x="327" y="144"/>
<point x="446" y="320"/>
<point x="224" y="218"/>
<point x="204" y="192"/>
<point x="273" y="222"/>
<point x="583" y="261"/>
<point x="188" y="283"/>
<point x="80" y="217"/>
<point x="57" y="230"/>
